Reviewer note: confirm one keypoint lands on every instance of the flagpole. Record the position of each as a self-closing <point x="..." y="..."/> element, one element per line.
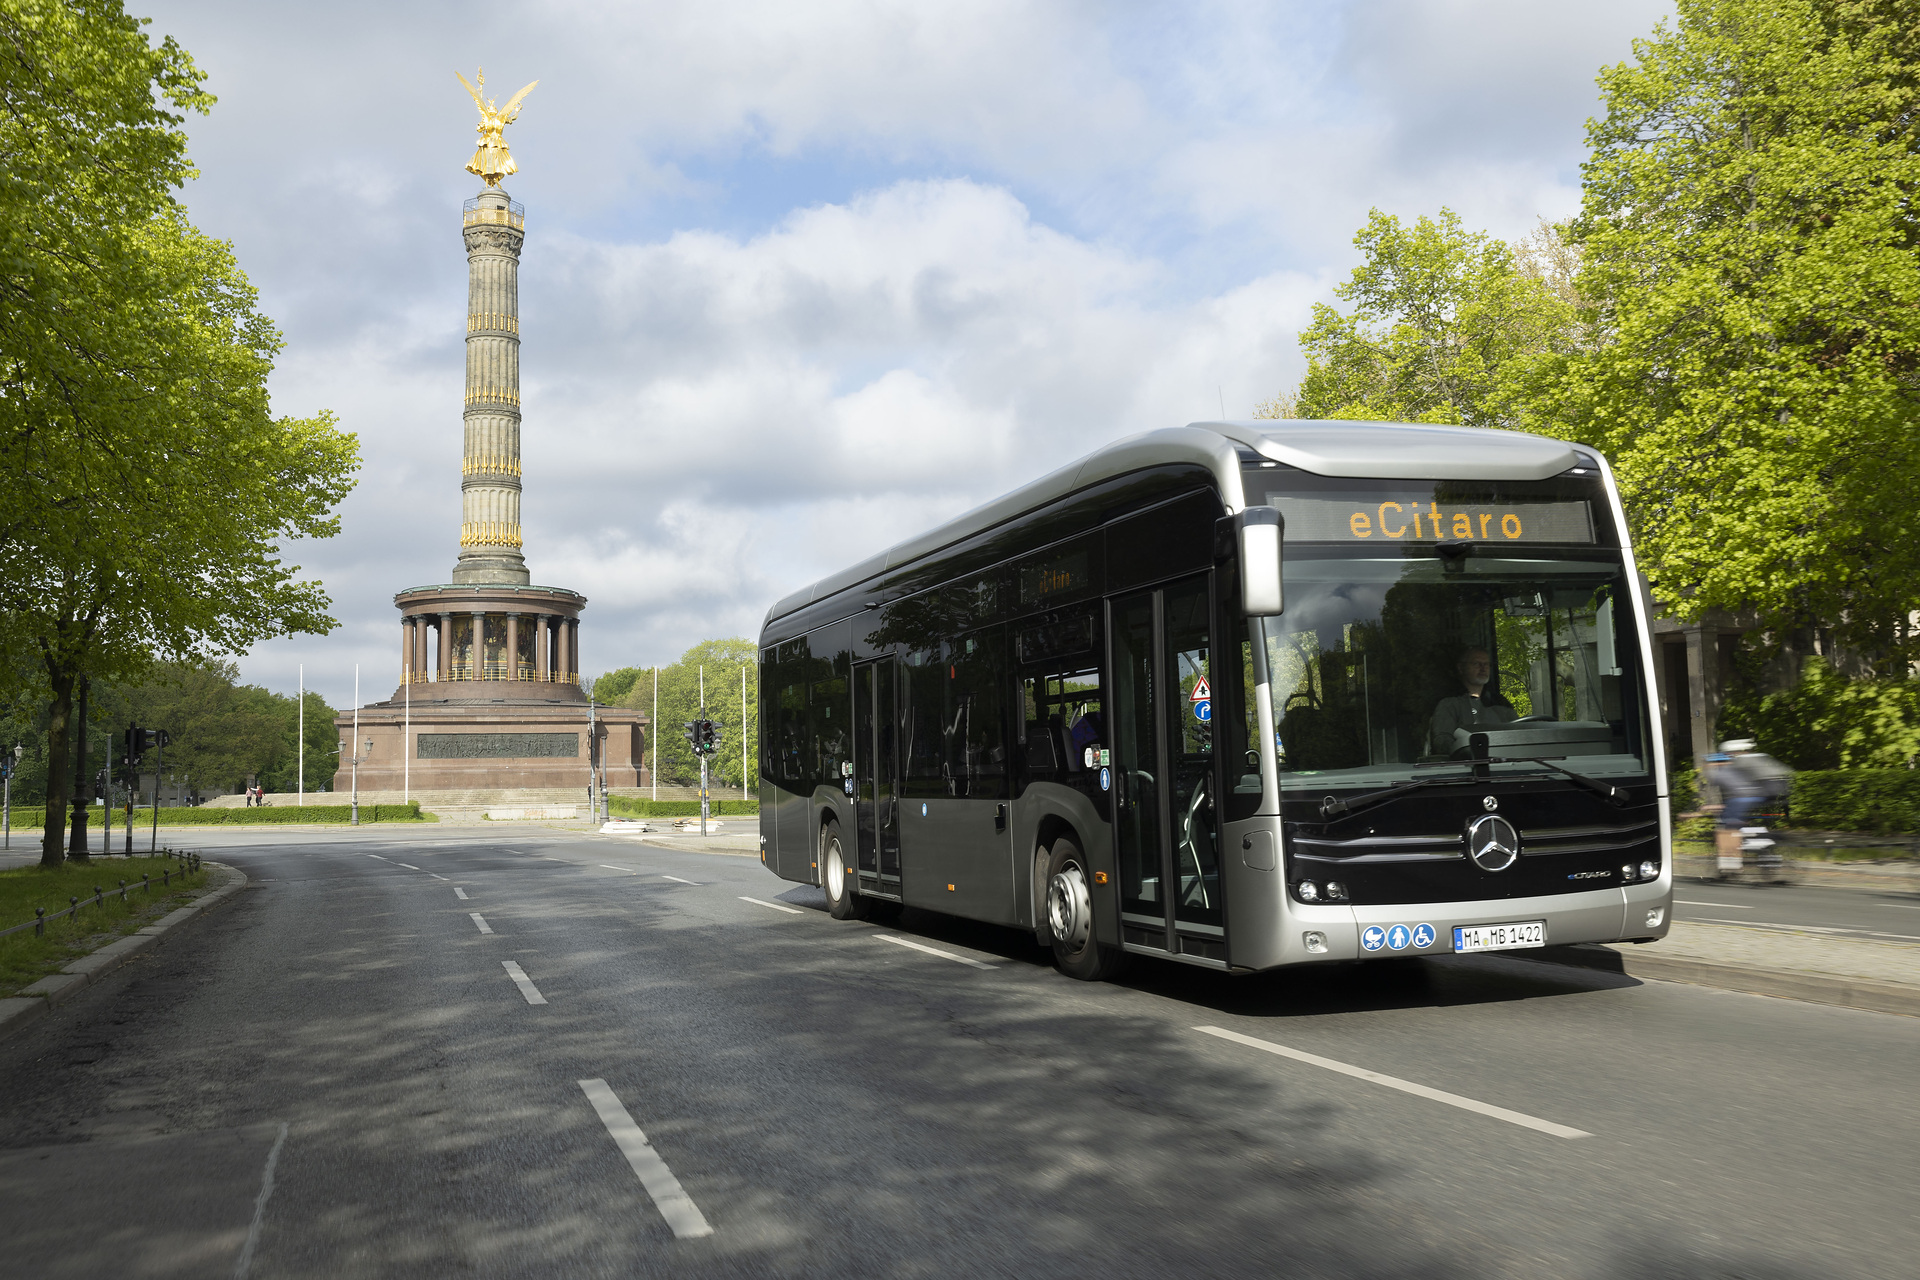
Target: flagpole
<point x="300" y="751"/>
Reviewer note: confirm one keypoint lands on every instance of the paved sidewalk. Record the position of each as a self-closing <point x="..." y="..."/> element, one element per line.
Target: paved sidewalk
<point x="1775" y="961"/>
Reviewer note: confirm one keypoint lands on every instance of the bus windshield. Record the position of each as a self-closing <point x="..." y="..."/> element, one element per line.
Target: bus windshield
<point x="1383" y="667"/>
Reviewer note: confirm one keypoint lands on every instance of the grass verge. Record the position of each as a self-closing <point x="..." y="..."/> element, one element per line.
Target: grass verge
<point x="27" y="957"/>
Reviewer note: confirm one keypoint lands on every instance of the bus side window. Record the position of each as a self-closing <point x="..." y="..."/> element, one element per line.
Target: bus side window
<point x="923" y="748"/>
<point x="975" y="717"/>
<point x="789" y="691"/>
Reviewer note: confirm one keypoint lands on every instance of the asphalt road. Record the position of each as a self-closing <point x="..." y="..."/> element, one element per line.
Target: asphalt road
<point x="1852" y="913"/>
<point x="338" y="1074"/>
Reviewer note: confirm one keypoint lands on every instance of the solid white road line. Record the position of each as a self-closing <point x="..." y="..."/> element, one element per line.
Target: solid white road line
<point x="761" y="902"/>
<point x="408" y="865"/>
<point x="1405" y="1086"/>
<point x="460" y="893"/>
<point x="1901" y="906"/>
<point x="245" y="1261"/>
<point x="436" y="875"/>
<point x="1727" y="906"/>
<point x="678" y="880"/>
<point x="481" y="921"/>
<point x="522" y="981"/>
<point x="675" y="1205"/>
<point x="934" y="951"/>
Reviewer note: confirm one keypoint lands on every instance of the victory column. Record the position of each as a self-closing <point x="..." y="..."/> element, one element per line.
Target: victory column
<point x="489" y="694"/>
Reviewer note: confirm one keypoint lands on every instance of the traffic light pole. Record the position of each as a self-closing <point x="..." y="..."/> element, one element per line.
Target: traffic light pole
<point x="154" y="844"/>
<point x="703" y="753"/>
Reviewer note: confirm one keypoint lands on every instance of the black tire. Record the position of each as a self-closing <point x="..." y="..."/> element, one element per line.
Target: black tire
<point x="1073" y="912"/>
<point x="837" y="878"/>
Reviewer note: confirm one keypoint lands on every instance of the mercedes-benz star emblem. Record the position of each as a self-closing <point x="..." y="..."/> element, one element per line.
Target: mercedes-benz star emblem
<point x="1492" y="842"/>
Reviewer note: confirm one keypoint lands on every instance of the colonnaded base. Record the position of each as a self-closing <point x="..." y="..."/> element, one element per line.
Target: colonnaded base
<point x="490" y="744"/>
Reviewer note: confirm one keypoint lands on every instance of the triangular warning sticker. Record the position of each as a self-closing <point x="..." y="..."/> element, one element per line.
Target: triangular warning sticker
<point x="1200" y="692"/>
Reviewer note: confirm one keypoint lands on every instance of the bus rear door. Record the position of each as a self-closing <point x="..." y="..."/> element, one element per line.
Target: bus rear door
<point x="876" y="772"/>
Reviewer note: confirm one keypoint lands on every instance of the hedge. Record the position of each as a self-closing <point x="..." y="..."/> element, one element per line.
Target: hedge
<point x="187" y="816"/>
<point x="623" y="807"/>
<point x="1878" y="800"/>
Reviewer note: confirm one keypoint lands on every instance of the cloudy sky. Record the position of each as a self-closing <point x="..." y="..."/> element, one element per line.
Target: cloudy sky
<point x="801" y="280"/>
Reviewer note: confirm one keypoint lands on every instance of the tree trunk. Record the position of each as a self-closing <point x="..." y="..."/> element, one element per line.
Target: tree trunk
<point x="59" y="776"/>
<point x="82" y="782"/>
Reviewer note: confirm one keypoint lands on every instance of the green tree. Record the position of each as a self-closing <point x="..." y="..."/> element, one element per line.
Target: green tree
<point x="224" y="734"/>
<point x="722" y="662"/>
<point x="614" y="686"/>
<point x="1440" y="317"/>
<point x="1751" y="250"/>
<point x="1827" y="721"/>
<point x="145" y="488"/>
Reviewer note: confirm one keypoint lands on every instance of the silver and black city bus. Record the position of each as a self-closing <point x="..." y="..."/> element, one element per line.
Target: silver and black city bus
<point x="1243" y="695"/>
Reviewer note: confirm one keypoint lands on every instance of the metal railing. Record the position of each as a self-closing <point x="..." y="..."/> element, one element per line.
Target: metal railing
<point x="189" y="864"/>
<point x="514" y="215"/>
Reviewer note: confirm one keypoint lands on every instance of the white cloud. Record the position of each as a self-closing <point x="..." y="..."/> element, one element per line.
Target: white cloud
<point x="802" y="280"/>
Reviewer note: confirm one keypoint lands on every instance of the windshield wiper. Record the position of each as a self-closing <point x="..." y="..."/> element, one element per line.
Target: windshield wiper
<point x="1481" y="764"/>
<point x="1477" y="743"/>
<point x="1330" y="807"/>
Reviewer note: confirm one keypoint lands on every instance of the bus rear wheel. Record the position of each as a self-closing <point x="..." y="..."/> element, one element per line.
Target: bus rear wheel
<point x="1077" y="949"/>
<point x="836" y="877"/>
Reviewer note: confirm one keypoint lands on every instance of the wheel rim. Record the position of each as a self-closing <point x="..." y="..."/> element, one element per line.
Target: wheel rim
<point x="833" y="871"/>
<point x="1069" y="909"/>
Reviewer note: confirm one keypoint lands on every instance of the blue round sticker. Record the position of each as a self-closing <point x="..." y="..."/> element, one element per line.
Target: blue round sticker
<point x="1203" y="711"/>
<point x="1398" y="937"/>
<point x="1423" y="935"/>
<point x="1374" y="938"/>
<point x="1106" y="779"/>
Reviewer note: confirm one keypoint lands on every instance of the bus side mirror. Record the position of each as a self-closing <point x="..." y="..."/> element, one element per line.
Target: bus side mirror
<point x="1261" y="535"/>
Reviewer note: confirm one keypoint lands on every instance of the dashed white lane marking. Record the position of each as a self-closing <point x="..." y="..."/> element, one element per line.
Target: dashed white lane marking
<point x="761" y="902"/>
<point x="1725" y="906"/>
<point x="522" y="981"/>
<point x="1405" y="1086"/>
<point x="436" y="875"/>
<point x="408" y="865"/>
<point x="609" y="866"/>
<point x="1901" y="906"/>
<point x="934" y="951"/>
<point x="375" y="855"/>
<point x="460" y="893"/>
<point x="675" y="1205"/>
<point x="481" y="920"/>
<point x="678" y="880"/>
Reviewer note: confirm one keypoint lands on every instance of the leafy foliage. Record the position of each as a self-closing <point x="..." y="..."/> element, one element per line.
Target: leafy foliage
<point x="1880" y="800"/>
<point x="1440" y="316"/>
<point x="1749" y="248"/>
<point x="1827" y="721"/>
<point x="723" y="661"/>
<point x="145" y="487"/>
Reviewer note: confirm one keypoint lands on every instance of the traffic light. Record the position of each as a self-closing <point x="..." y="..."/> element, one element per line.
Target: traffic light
<point x="140" y="741"/>
<point x="692" y="734"/>
<point x="711" y="737"/>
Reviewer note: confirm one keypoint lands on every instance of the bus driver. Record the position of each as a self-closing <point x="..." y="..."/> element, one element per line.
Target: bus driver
<point x="1476" y="708"/>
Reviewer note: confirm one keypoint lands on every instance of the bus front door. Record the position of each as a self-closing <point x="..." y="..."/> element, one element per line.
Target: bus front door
<point x="1164" y="770"/>
<point x="876" y="772"/>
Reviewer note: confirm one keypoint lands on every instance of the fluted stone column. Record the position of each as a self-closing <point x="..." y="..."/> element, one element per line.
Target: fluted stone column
<point x="479" y="644"/>
<point x="490" y="544"/>
<point x="513" y="646"/>
<point x="445" y="663"/>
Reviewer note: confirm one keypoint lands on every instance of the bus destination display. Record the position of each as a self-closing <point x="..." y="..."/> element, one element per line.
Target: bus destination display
<point x="1422" y="519"/>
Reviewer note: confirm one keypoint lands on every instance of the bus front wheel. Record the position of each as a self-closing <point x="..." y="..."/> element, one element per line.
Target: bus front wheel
<point x="835" y="877"/>
<point x="1077" y="949"/>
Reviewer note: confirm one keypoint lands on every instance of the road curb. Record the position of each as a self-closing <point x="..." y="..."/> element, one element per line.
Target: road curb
<point x="34" y="1001"/>
<point x="1789" y="984"/>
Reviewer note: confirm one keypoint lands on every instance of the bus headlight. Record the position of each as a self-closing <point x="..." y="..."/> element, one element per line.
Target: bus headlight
<point x="1626" y="873"/>
<point x="1307" y="891"/>
<point x="1315" y="940"/>
<point x="1649" y="871"/>
<point x="1336" y="892"/>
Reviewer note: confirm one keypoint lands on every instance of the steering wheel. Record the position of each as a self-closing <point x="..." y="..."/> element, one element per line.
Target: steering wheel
<point x="1532" y="720"/>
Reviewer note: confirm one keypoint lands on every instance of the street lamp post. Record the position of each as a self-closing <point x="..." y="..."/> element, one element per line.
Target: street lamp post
<point x="356" y="780"/>
<point x="7" y="767"/>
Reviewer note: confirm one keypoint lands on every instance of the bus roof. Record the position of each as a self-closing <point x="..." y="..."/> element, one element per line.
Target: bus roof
<point x="1379" y="450"/>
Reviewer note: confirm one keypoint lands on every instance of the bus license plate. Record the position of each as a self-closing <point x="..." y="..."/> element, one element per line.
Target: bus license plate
<point x="1500" y="937"/>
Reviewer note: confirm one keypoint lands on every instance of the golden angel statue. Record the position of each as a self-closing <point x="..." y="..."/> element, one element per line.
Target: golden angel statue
<point x="492" y="160"/>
